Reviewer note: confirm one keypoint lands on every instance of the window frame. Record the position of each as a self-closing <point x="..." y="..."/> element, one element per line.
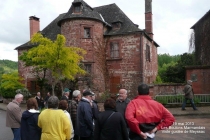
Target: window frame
<point x="116" y="25"/>
<point x="148" y="53"/>
<point x="77" y="8"/>
<point x="114" y="52"/>
<point x="88" y="67"/>
<point x="85" y="35"/>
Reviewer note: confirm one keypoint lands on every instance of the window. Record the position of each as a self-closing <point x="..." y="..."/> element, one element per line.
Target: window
<point x="147" y="53"/>
<point x="87" y="32"/>
<point x="114" y="50"/>
<point x="88" y="68"/>
<point x="194" y="77"/>
<point x="116" y="25"/>
<point x="77" y="7"/>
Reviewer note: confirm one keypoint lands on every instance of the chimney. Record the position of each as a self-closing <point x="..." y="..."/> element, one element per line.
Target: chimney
<point x="148" y="18"/>
<point x="34" y="25"/>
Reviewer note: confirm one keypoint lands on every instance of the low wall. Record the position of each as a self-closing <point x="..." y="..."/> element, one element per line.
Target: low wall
<point x="166" y="89"/>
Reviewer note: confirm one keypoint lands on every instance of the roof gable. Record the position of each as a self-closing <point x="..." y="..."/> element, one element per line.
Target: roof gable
<point x="107" y="14"/>
<point x="207" y="14"/>
<point x="86" y="12"/>
<point x="112" y="13"/>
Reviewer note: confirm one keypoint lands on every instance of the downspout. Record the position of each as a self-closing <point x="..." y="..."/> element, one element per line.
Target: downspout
<point x="141" y="59"/>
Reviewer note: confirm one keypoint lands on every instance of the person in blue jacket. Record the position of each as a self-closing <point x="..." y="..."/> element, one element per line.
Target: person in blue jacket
<point x="84" y="122"/>
<point x="29" y="122"/>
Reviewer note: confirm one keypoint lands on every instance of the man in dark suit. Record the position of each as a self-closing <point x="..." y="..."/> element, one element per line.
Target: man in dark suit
<point x="84" y="120"/>
<point x="40" y="101"/>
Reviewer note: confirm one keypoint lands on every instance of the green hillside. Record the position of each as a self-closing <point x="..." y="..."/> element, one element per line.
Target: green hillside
<point x="8" y="66"/>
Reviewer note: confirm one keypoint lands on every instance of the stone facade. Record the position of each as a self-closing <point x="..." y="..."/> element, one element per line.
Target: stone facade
<point x="96" y="30"/>
<point x="200" y="75"/>
<point x="128" y="68"/>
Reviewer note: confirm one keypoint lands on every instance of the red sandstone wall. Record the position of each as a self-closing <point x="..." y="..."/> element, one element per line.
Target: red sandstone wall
<point x="128" y="66"/>
<point x="201" y="79"/>
<point x="149" y="67"/>
<point x="27" y="74"/>
<point x="73" y="30"/>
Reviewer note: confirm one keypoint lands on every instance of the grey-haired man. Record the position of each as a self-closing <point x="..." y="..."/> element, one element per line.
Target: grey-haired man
<point x="188" y="91"/>
<point x="73" y="109"/>
<point x="14" y="115"/>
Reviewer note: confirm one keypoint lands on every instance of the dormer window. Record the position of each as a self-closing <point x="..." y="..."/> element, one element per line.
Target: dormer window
<point x="116" y="25"/>
<point x="77" y="7"/>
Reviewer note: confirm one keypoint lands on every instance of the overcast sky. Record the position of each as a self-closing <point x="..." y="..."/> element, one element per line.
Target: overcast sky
<point x="172" y="20"/>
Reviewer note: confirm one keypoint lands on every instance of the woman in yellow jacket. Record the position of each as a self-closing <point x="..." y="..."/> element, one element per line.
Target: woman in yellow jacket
<point x="54" y="123"/>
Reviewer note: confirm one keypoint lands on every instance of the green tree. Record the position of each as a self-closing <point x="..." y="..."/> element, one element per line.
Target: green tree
<point x="9" y="84"/>
<point x="53" y="56"/>
<point x="176" y="73"/>
<point x="167" y="58"/>
<point x="8" y="63"/>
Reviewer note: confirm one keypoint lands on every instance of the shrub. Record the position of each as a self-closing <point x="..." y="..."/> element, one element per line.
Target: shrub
<point x="162" y="100"/>
<point x="9" y="84"/>
<point x="103" y="97"/>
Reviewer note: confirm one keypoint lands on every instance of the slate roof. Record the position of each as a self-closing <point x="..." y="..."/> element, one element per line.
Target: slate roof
<point x="112" y="13"/>
<point x="49" y="31"/>
<point x="87" y="12"/>
<point x="107" y="14"/>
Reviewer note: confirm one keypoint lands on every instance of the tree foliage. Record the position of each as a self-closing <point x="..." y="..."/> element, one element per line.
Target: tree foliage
<point x="174" y="71"/>
<point x="166" y="59"/>
<point x="9" y="84"/>
<point x="53" y="56"/>
<point x="8" y="63"/>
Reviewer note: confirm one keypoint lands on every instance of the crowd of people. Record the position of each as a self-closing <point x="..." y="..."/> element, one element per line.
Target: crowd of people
<point x="80" y="118"/>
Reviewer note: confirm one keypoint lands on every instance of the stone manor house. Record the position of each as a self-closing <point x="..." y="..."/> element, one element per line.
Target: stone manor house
<point x="130" y="52"/>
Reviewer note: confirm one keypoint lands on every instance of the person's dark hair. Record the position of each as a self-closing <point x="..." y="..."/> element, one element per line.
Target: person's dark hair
<point x="32" y="104"/>
<point x="143" y="89"/>
<point x="53" y="102"/>
<point x="63" y="105"/>
<point x="109" y="104"/>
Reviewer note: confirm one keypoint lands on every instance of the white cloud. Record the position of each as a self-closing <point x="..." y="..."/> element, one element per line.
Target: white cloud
<point x="171" y="20"/>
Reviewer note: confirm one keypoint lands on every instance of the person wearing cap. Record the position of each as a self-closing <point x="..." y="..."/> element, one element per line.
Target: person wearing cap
<point x="54" y="122"/>
<point x="146" y="116"/>
<point x="188" y="95"/>
<point x="84" y="122"/>
<point x="66" y="93"/>
<point x="73" y="109"/>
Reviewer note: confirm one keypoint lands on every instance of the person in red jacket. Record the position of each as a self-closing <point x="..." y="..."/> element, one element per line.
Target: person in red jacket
<point x="145" y="116"/>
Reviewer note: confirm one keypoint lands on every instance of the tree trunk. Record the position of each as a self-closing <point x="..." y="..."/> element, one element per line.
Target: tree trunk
<point x="53" y="89"/>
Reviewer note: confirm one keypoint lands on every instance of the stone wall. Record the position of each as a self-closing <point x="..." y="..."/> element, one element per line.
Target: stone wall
<point x="200" y="75"/>
<point x="166" y="89"/>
